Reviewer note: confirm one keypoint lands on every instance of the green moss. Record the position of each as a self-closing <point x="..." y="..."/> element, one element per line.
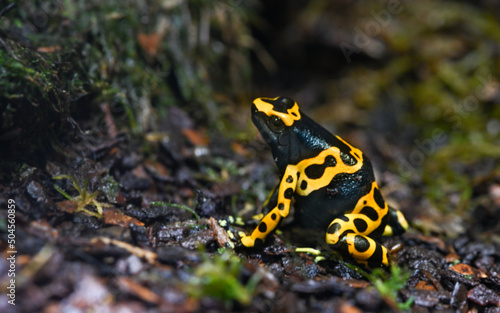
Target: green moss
<point x="95" y="55"/>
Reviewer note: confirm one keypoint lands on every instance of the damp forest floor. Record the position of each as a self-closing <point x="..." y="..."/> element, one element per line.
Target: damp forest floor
<point x="129" y="163"/>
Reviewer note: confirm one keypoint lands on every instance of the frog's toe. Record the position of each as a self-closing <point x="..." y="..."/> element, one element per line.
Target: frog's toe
<point x="248" y="241"/>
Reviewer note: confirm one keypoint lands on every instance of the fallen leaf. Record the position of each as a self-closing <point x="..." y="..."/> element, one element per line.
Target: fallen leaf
<point x="425" y="285"/>
<point x="114" y="217"/>
<point x="452" y="257"/>
<point x="23" y="259"/>
<point x="220" y="233"/>
<point x="357" y="283"/>
<point x="197" y="138"/>
<point x="139" y="172"/>
<point x="239" y="149"/>
<point x="68" y="206"/>
<point x="346" y="307"/>
<point x="109" y="120"/>
<point x="157" y="168"/>
<point x="138" y="290"/>
<point x="121" y="199"/>
<point x="149" y="256"/>
<point x="48" y="49"/>
<point x="468" y="270"/>
<point x="149" y="42"/>
<point x="44" y="227"/>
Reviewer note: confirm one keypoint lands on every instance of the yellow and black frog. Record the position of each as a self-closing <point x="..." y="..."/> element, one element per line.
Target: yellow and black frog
<point x="331" y="181"/>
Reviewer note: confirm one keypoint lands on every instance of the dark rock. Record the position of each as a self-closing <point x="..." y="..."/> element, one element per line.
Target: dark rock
<point x="174" y="255"/>
<point x="459" y="298"/>
<point x="427" y="298"/>
<point x="483" y="296"/>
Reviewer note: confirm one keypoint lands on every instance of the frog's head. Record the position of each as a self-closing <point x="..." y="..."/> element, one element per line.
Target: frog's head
<point x="276" y="118"/>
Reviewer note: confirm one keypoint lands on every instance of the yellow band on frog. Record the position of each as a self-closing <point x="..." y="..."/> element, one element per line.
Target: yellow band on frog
<point x="288" y="118"/>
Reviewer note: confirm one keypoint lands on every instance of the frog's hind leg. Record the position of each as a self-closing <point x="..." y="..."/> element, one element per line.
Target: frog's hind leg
<point x="396" y="224"/>
<point x="349" y="234"/>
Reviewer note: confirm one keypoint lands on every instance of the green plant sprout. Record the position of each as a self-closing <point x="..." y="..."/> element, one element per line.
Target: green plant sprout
<point x="388" y="285"/>
<point x="179" y="206"/>
<point x="218" y="278"/>
<point x="84" y="198"/>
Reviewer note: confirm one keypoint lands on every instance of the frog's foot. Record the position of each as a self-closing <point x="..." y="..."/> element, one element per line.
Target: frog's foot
<point x="397" y="223"/>
<point x="352" y="238"/>
<point x="248" y="241"/>
<point x="232" y="226"/>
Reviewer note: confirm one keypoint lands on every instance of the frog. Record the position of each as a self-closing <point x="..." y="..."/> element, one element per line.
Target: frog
<point x="331" y="182"/>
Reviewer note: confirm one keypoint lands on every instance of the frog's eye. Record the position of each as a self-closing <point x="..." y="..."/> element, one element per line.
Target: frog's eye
<point x="276" y="124"/>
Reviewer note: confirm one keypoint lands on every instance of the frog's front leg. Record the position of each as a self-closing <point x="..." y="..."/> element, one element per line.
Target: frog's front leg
<point x="349" y="234"/>
<point x="281" y="209"/>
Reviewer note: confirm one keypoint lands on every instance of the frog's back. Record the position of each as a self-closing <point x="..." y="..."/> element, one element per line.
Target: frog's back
<point x="317" y="209"/>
